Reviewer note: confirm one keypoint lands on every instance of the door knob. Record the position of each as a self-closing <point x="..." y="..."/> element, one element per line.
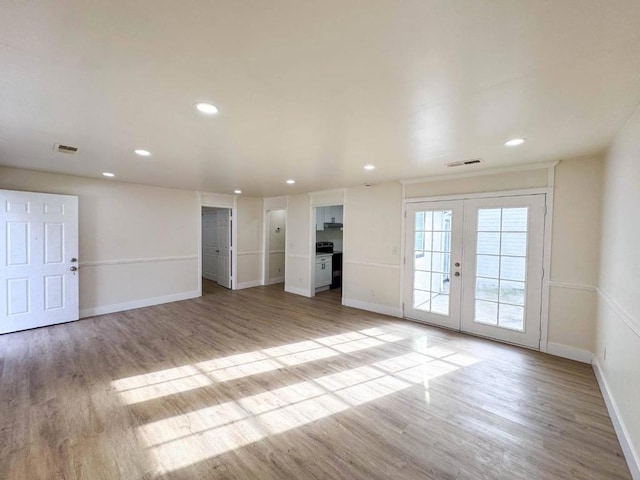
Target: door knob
<point x="457" y="264"/>
<point x="74" y="268"/>
<point x="457" y="274"/>
<point x="74" y="260"/>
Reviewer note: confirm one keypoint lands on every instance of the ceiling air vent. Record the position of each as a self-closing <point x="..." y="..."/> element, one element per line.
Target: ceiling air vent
<point x="64" y="148"/>
<point x="464" y="162"/>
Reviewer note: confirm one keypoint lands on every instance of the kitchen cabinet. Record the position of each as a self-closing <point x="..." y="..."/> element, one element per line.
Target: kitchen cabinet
<point x="331" y="214"/>
<point x="323" y="271"/>
<point x="335" y="214"/>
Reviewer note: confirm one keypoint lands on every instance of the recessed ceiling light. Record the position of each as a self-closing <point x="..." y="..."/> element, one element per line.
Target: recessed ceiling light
<point x="142" y="153"/>
<point x="237" y="192"/>
<point x="207" y="108"/>
<point x="108" y="174"/>
<point x="369" y="167"/>
<point x="291" y="181"/>
<point x="514" y="142"/>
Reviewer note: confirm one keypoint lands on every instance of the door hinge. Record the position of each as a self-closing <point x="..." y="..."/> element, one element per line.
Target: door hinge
<point x="405" y="214"/>
<point x="543" y="273"/>
<point x="545" y="208"/>
<point x="403" y="307"/>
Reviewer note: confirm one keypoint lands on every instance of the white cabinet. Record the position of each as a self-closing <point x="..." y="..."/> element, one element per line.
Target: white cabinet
<point x="335" y="214"/>
<point x="331" y="214"/>
<point x="323" y="271"/>
<point x="320" y="218"/>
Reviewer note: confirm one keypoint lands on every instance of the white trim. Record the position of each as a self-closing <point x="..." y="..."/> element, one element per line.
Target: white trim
<point x="403" y="251"/>
<point x="271" y="204"/>
<point x="633" y="324"/>
<point x="297" y="291"/>
<point x="295" y="255"/>
<point x="372" y="264"/>
<point x="233" y="249"/>
<point x="469" y="196"/>
<point x="331" y="190"/>
<point x="250" y="284"/>
<point x="632" y="458"/>
<point x="572" y="353"/>
<point x="481" y="173"/>
<point x="573" y="286"/>
<point x="145" y="302"/>
<point x="545" y="303"/>
<point x="128" y="261"/>
<point x="275" y="280"/>
<point x="216" y="200"/>
<point x="254" y="252"/>
<point x="373" y="307"/>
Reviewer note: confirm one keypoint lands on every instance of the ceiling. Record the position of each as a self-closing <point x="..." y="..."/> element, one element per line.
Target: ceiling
<point x="311" y="90"/>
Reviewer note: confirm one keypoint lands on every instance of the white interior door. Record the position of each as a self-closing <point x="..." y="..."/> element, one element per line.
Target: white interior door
<point x="433" y="248"/>
<point x="475" y="265"/>
<point x="502" y="268"/>
<point x="224" y="247"/>
<point x="210" y="245"/>
<point x="39" y="249"/>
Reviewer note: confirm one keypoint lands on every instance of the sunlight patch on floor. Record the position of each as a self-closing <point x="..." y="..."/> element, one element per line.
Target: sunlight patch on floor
<point x="194" y="436"/>
<point x="150" y="386"/>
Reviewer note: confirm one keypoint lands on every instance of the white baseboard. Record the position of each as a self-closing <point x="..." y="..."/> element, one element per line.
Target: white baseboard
<point x="633" y="460"/>
<point x="297" y="291"/>
<point x="373" y="307"/>
<point x="572" y="353"/>
<point x="252" y="283"/>
<point x="273" y="281"/>
<point x="145" y="302"/>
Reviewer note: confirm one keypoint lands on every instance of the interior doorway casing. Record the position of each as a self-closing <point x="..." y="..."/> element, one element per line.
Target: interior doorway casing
<point x="268" y="250"/>
<point x="219" y="201"/>
<point x="312" y="247"/>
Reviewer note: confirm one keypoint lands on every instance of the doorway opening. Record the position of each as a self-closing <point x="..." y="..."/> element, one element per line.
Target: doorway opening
<point x="275" y="243"/>
<point x="216" y="249"/>
<point x="327" y="267"/>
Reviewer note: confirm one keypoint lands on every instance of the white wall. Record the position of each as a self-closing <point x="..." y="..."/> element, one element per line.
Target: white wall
<point x="298" y="268"/>
<point x="372" y="238"/>
<point x="250" y="244"/>
<point x="138" y="244"/>
<point x="618" y="319"/>
<point x="575" y="256"/>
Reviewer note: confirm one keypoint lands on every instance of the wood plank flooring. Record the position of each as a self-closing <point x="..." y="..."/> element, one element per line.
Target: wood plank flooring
<point x="260" y="384"/>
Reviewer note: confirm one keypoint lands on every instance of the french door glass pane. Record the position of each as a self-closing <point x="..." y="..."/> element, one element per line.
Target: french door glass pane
<point x="501" y="254"/>
<point x="432" y="261"/>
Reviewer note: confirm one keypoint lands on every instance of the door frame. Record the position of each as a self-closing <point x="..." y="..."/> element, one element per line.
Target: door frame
<point x="546" y="253"/>
<point x="313" y="211"/>
<point x="228" y="202"/>
<point x="267" y="245"/>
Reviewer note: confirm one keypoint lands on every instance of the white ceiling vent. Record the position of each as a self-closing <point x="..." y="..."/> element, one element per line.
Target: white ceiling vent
<point x="57" y="147"/>
<point x="464" y="162"/>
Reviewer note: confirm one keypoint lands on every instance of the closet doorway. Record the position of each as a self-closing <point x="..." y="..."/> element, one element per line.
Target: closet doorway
<point x="216" y="245"/>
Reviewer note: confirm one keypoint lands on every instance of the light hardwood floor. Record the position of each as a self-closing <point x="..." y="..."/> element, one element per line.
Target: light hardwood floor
<point x="259" y="384"/>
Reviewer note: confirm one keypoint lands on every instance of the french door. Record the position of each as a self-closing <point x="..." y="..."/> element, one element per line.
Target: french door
<point x="475" y="265"/>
